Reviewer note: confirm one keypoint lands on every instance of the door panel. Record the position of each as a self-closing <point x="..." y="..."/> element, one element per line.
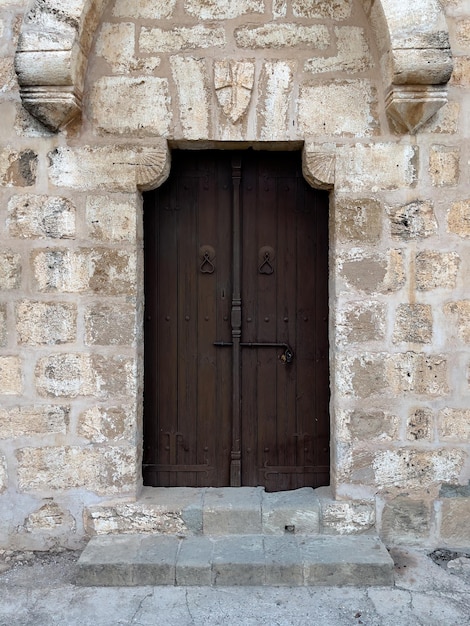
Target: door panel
<point x="189" y="433"/>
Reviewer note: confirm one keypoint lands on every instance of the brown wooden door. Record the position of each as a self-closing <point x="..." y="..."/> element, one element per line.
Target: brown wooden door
<point x="236" y="324"/>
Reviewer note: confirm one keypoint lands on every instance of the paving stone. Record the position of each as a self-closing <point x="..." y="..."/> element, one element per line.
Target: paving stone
<point x="239" y="560"/>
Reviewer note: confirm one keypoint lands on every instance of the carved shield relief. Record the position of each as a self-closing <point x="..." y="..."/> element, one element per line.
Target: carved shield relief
<point x="233" y="81"/>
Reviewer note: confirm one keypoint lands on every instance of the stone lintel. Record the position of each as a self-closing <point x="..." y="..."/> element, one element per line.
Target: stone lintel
<point x="411" y="106"/>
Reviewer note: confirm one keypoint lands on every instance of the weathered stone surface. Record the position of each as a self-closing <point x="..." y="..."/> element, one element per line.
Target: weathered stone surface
<point x="3" y="474"/>
<point x="72" y="375"/>
<point x="455" y="529"/>
<point x="10" y="270"/>
<point x="461" y="73"/>
<point x="116" y="44"/>
<point x="374" y="273"/>
<point x="445" y="121"/>
<point x="418" y="373"/>
<point x="458" y="218"/>
<point x="156" y="10"/>
<point x="107" y="325"/>
<point x="410" y="469"/>
<point x="279" y="8"/>
<point x="18" y="169"/>
<point x="405" y="520"/>
<point x="11" y="381"/>
<point x="111" y="219"/>
<point x="29" y="421"/>
<point x="353" y="53"/>
<point x="372" y="167"/>
<point x="3" y="325"/>
<point x="358" y="220"/>
<point x="190" y="77"/>
<point x="454" y="425"/>
<point x="346" y="108"/>
<point x="102" y="424"/>
<point x="435" y="269"/>
<point x="276" y="87"/>
<point x="415" y="220"/>
<point x="103" y="470"/>
<point x="40" y="217"/>
<point x="94" y="270"/>
<point x="419" y="425"/>
<point x="46" y="323"/>
<point x="363" y="376"/>
<point x="158" y="40"/>
<point x="317" y="9"/>
<point x="444" y="166"/>
<point x="461" y="312"/>
<point x="143" y="102"/>
<point x="233" y="82"/>
<point x="49" y="517"/>
<point x="347" y="517"/>
<point x="222" y="9"/>
<point x="413" y="323"/>
<point x="283" y="36"/>
<point x="361" y="321"/>
<point x="367" y="425"/>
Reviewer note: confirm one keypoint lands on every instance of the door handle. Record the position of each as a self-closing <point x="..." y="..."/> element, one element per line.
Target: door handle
<point x="286" y="357"/>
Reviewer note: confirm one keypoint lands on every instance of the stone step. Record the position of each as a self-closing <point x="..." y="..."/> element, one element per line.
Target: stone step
<point x="288" y="560"/>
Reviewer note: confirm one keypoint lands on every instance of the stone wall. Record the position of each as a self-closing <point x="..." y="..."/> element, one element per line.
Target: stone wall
<point x="305" y="74"/>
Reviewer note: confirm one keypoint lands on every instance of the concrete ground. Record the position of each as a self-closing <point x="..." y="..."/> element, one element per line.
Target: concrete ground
<point x="38" y="590"/>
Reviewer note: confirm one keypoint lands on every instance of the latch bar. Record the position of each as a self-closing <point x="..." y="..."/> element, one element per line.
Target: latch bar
<point x="287" y="357"/>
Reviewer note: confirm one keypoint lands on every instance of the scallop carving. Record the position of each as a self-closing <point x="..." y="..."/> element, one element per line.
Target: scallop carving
<point x="319" y="169"/>
<point x="152" y="169"/>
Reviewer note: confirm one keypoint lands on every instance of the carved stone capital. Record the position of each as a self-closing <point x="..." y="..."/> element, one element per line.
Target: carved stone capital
<point x="54" y="107"/>
<point x="319" y="165"/>
<point x="410" y="106"/>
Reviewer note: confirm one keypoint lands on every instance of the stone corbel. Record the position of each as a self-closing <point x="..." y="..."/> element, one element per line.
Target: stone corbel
<point x="319" y="165"/>
<point x="411" y="106"/>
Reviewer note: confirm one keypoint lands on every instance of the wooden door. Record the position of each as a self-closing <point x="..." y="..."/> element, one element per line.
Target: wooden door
<point x="236" y="324"/>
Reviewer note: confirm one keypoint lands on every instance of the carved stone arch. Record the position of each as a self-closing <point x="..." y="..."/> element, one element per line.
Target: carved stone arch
<point x="56" y="36"/>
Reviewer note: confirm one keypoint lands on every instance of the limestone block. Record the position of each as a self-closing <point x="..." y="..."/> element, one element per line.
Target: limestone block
<point x="367" y="425"/>
<point x="415" y="220"/>
<point x="461" y="73"/>
<point x="372" y="167"/>
<point x="46" y="323"/>
<point x="233" y="82"/>
<point x="405" y="521"/>
<point x="8" y="79"/>
<point x="179" y="38"/>
<point x="18" y="169"/>
<point x="191" y="80"/>
<point x="346" y="108"/>
<point x="353" y="53"/>
<point x="454" y="425"/>
<point x="358" y="220"/>
<point x="435" y="269"/>
<point x="413" y="323"/>
<point x="91" y="375"/>
<point x="125" y="105"/>
<point x="279" y="8"/>
<point x="461" y="311"/>
<point x="10" y="270"/>
<point x="444" y="166"/>
<point x="362" y="376"/>
<point x="116" y="44"/>
<point x="373" y="273"/>
<point x="107" y="325"/>
<point x="105" y="271"/>
<point x="102" y="424"/>
<point x="419" y="424"/>
<point x="358" y="322"/>
<point x="462" y="34"/>
<point x="111" y="168"/>
<point x="11" y="381"/>
<point x="445" y="121"/>
<point x="418" y="373"/>
<point x="50" y="519"/>
<point x="275" y="36"/>
<point x="39" y="217"/>
<point x="458" y="218"/>
<point x="102" y="470"/>
<point x="3" y="325"/>
<point x="30" y="421"/>
<point x="276" y="86"/>
<point x="3" y="474"/>
<point x="347" y="517"/>
<point x="318" y="9"/>
<point x="111" y="220"/>
<point x="143" y="9"/>
<point x="455" y="529"/>
<point x="417" y="470"/>
<point x="222" y="9"/>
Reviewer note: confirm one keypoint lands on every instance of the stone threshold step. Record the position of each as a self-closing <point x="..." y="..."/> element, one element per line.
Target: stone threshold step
<point x="289" y="560"/>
